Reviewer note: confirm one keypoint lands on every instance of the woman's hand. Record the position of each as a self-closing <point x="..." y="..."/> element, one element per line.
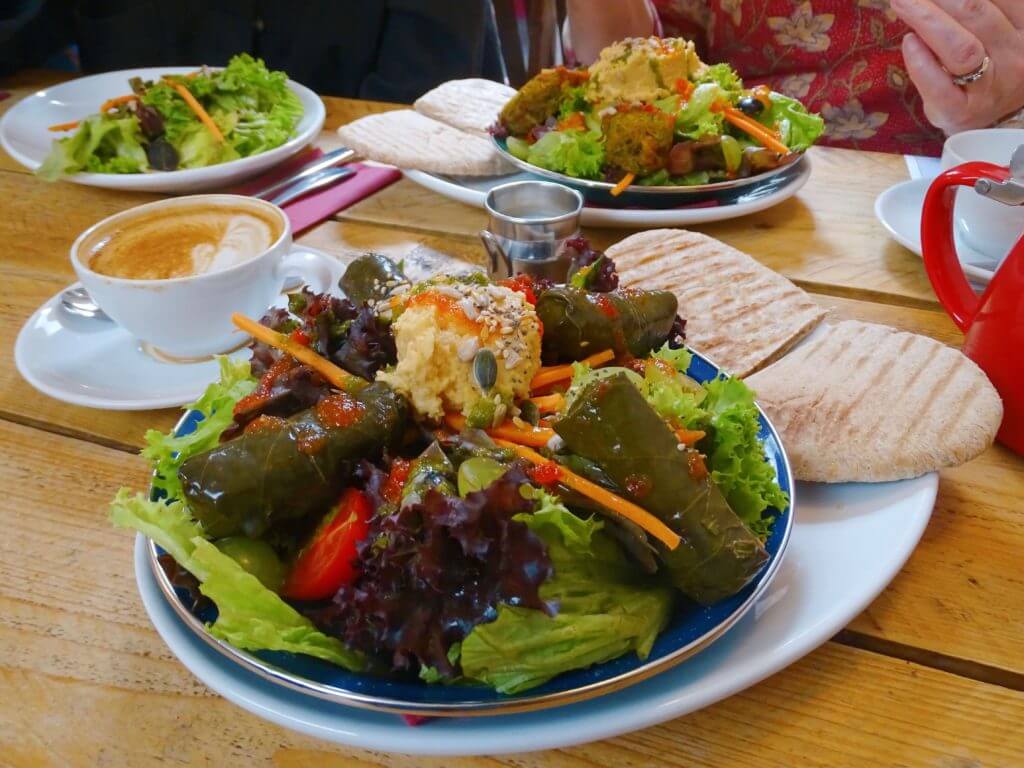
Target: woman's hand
<point x="953" y="37"/>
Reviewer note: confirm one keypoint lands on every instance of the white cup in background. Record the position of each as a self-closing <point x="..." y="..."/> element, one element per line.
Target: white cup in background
<point x="988" y="227"/>
<point x="190" y="317"/>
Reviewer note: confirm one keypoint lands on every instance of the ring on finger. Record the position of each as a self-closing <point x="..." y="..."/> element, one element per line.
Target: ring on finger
<point x="974" y="75"/>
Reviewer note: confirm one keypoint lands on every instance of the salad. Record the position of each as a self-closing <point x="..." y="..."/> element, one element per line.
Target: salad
<point x="181" y="121"/>
<point x="650" y="112"/>
<point x="461" y="480"/>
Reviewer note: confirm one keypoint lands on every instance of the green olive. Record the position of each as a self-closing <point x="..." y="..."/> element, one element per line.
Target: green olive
<point x="732" y="153"/>
<point x="257" y="558"/>
<point x="477" y="473"/>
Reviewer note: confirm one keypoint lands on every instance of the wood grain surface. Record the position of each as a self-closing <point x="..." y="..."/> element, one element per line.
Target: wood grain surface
<point x="930" y="674"/>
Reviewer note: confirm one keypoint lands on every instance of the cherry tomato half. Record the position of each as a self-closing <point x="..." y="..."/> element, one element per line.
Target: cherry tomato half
<point x="328" y="561"/>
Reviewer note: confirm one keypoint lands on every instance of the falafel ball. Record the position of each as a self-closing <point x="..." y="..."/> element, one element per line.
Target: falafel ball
<point x="538" y="99"/>
<point x="638" y="141"/>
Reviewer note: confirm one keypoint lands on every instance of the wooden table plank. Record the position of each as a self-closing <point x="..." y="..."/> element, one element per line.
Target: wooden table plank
<point x="75" y="639"/>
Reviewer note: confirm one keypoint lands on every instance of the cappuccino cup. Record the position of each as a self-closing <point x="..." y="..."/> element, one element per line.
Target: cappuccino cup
<point x="989" y="227"/>
<point x="172" y="272"/>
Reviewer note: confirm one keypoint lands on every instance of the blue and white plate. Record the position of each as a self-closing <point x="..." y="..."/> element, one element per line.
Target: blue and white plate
<point x="691" y="629"/>
<point x="666" y="196"/>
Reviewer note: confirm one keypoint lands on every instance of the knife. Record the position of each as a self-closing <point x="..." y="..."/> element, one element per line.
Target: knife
<point x="304" y="186"/>
<point x="335" y="157"/>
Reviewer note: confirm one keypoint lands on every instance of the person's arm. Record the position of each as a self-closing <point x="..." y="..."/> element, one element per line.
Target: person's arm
<point x="596" y="24"/>
<point x="954" y="37"/>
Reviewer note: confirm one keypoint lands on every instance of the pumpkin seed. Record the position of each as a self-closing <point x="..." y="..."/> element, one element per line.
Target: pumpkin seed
<point x="485" y="370"/>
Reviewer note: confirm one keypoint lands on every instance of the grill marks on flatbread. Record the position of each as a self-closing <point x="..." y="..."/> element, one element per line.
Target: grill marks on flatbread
<point x="470" y="105"/>
<point x="865" y="402"/>
<point x="410" y="140"/>
<point x="739" y="313"/>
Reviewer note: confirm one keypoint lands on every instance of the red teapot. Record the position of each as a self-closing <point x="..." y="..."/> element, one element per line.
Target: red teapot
<point x="993" y="323"/>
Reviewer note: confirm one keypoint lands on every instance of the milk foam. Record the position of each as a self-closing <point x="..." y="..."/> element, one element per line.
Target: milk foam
<point x="245" y="236"/>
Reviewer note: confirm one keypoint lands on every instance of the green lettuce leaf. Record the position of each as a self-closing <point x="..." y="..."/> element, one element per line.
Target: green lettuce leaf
<point x="798" y="128"/>
<point x="736" y="456"/>
<point x="696" y="119"/>
<point x="167" y="453"/>
<point x="574" y="99"/>
<point x="604" y="610"/>
<point x="101" y="144"/>
<point x="250" y="616"/>
<point x="724" y="77"/>
<point x="576" y="153"/>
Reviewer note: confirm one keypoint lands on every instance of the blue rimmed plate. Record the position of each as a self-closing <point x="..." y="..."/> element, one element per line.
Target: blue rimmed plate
<point x="667" y="196"/>
<point x="691" y="629"/>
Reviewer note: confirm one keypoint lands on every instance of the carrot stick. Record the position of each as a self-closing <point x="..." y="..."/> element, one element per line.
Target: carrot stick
<point x="689" y="436"/>
<point x="755" y="129"/>
<point x="554" y="373"/>
<point x="196" y="107"/>
<point x="335" y="375"/>
<point x="64" y="126"/>
<point x="624" y="182"/>
<point x="602" y="496"/>
<point x="528" y="435"/>
<point x="549" y="403"/>
<point x="117" y="101"/>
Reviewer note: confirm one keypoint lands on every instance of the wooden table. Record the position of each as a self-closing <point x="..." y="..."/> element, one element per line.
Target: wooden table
<point x="932" y="673"/>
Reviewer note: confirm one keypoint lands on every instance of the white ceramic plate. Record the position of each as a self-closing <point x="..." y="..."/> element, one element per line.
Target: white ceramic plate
<point x="98" y="364"/>
<point x="899" y="210"/>
<point x="472" y="191"/>
<point x="24" y="134"/>
<point x="848" y="542"/>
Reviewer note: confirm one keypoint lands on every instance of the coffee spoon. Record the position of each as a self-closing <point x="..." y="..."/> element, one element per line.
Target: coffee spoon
<point x="77" y="301"/>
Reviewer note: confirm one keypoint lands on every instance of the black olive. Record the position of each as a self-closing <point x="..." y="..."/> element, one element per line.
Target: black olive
<point x="161" y="155"/>
<point x="151" y="122"/>
<point x="751" y="106"/>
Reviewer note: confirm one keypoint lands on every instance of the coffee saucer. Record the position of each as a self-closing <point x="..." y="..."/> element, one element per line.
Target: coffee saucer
<point x="899" y="210"/>
<point x="96" y="363"/>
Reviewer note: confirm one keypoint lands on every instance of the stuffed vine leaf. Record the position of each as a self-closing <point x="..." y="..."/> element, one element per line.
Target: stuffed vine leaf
<point x="612" y="424"/>
<point x="578" y="323"/>
<point x="287" y="470"/>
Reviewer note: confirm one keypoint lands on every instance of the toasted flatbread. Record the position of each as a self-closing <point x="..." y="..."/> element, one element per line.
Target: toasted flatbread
<point x="865" y="402"/>
<point x="413" y="141"/>
<point x="738" y="312"/>
<point x="470" y="105"/>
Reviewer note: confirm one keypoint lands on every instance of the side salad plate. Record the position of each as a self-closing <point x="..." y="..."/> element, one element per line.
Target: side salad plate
<point x="260" y="125"/>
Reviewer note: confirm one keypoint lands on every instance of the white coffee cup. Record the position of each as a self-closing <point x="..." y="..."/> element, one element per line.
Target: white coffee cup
<point x="189" y="317"/>
<point x="989" y="227"/>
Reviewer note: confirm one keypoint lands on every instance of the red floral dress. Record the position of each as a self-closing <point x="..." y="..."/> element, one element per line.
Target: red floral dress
<point x="839" y="57"/>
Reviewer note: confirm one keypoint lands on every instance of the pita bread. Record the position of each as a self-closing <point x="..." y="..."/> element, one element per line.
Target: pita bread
<point x="865" y="402"/>
<point x="410" y="140"/>
<point x="470" y="105"/>
<point x="738" y="312"/>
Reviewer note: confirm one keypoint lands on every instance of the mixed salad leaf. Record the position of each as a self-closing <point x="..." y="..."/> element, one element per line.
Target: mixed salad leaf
<point x="323" y="514"/>
<point x="191" y="121"/>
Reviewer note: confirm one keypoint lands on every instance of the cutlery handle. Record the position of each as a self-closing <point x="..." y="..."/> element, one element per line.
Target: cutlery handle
<point x="332" y="158"/>
<point x="327" y="178"/>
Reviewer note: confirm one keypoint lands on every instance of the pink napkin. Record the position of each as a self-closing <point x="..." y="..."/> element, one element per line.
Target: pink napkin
<point x="319" y="206"/>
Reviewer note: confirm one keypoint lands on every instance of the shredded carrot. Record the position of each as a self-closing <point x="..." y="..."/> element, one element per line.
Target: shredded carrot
<point x="624" y="182"/>
<point x="602" y="496"/>
<point x="508" y="430"/>
<point x="755" y="129"/>
<point x="117" y="101"/>
<point x="554" y="373"/>
<point x="65" y="126"/>
<point x="335" y="375"/>
<point x="196" y="107"/>
<point x="684" y="87"/>
<point x="552" y="403"/>
<point x="689" y="436"/>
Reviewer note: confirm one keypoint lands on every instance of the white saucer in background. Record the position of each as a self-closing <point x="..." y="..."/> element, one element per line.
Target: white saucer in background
<point x="899" y="210"/>
<point x="98" y="364"/>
